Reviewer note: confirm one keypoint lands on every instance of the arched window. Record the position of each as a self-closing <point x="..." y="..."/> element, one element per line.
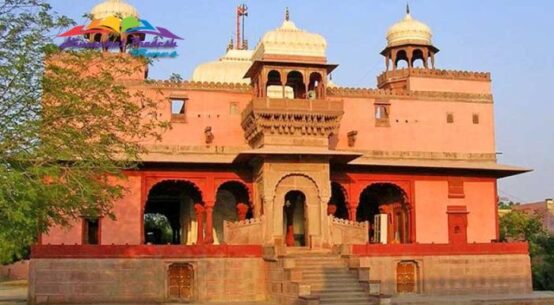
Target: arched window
<point x="401" y="60"/>
<point x="386" y="201"/>
<point x="169" y="216"/>
<point x="418" y="60"/>
<point x="295" y="80"/>
<point x="232" y="204"/>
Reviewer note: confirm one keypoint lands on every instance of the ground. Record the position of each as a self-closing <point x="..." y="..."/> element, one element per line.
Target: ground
<point x="15" y="293"/>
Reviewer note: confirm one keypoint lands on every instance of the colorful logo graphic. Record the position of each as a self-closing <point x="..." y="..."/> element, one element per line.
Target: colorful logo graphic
<point x="127" y="34"/>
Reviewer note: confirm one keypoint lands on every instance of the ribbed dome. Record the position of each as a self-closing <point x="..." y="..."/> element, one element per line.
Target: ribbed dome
<point x="228" y="69"/>
<point x="407" y="31"/>
<point x="118" y="8"/>
<point x="290" y="40"/>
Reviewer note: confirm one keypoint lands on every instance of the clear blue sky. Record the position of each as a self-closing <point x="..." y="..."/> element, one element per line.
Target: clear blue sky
<point x="512" y="39"/>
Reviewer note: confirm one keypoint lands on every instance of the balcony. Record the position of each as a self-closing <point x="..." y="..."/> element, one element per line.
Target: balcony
<point x="291" y="122"/>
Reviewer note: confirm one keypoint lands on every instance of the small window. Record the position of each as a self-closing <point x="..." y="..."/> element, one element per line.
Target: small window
<point x="456" y="187"/>
<point x="449" y="118"/>
<point x="475" y="118"/>
<point x="91" y="231"/>
<point x="178" y="109"/>
<point x="382" y="114"/>
<point x="234" y="108"/>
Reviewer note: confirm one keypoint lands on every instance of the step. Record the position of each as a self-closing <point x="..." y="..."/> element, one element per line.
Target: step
<point x="330" y="277"/>
<point x="352" y="288"/>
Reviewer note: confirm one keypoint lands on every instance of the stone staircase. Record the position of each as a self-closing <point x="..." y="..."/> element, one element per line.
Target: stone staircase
<point x="330" y="279"/>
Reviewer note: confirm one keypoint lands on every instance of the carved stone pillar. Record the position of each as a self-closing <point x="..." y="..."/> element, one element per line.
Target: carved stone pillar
<point x="209" y="239"/>
<point x="331" y="209"/>
<point x="352" y="212"/>
<point x="199" y="210"/>
<point x="242" y="210"/>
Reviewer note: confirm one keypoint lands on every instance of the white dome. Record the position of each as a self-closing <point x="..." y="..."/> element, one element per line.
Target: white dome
<point x="290" y="40"/>
<point x="409" y="31"/>
<point x="228" y="69"/>
<point x="118" y="8"/>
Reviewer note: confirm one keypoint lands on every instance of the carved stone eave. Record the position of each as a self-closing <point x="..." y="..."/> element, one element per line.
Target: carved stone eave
<point x="291" y="122"/>
<point x="407" y="94"/>
<point x="192" y="85"/>
<point x="434" y="73"/>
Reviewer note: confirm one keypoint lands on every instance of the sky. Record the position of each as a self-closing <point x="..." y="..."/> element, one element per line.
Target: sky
<point x="512" y="39"/>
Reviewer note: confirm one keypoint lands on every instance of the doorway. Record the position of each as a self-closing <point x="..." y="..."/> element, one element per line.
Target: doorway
<point x="294" y="216"/>
<point x="180" y="279"/>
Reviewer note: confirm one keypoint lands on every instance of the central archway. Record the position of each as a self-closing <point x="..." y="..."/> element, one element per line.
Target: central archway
<point x="289" y="188"/>
<point x="294" y="219"/>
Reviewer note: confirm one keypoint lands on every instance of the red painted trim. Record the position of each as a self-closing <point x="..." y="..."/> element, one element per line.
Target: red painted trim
<point x="495" y="207"/>
<point x="144" y="251"/>
<point x="440" y="249"/>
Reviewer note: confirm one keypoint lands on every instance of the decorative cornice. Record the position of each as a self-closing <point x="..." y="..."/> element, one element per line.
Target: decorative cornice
<point x="405" y="94"/>
<point x="424" y="155"/>
<point x="192" y="85"/>
<point x="434" y="73"/>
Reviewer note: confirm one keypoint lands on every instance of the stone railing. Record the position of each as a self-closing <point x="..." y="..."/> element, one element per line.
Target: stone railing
<point x="406" y="94"/>
<point x="347" y="232"/>
<point x="433" y="73"/>
<point x="245" y="232"/>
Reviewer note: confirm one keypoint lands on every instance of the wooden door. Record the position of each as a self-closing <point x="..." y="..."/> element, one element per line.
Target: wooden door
<point x="457" y="228"/>
<point x="180" y="282"/>
<point x="406" y="277"/>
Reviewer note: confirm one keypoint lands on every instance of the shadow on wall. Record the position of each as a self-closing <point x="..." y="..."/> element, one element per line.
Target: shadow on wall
<point x="15" y="271"/>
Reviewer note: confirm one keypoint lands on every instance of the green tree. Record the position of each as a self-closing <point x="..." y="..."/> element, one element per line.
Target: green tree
<point x="519" y="226"/>
<point x="68" y="127"/>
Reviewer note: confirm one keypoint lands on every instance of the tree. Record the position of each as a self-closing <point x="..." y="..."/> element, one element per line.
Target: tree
<point x="68" y="127"/>
<point x="517" y="225"/>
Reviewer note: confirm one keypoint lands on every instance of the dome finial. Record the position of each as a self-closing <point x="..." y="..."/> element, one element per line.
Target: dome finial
<point x="407" y="8"/>
<point x="287" y="17"/>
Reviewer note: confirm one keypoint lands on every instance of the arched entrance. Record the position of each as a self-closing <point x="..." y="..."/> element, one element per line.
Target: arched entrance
<point x="232" y="204"/>
<point x="169" y="216"/>
<point x="294" y="219"/>
<point x="391" y="201"/>
<point x="314" y="210"/>
<point x="337" y="204"/>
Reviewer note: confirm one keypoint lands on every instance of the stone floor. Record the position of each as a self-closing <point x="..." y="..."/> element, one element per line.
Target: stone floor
<point x="15" y="293"/>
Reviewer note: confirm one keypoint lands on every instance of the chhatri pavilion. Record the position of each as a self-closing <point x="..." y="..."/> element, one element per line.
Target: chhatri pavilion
<point x="274" y="183"/>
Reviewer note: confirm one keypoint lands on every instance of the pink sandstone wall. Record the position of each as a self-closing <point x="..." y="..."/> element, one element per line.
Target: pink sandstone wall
<point x="126" y="228"/>
<point x="417" y="125"/>
<point x="142" y="280"/>
<point x="480" y="199"/>
<point x="431" y="198"/>
<point x="69" y="235"/>
<point x="448" y="85"/>
<point x="204" y="108"/>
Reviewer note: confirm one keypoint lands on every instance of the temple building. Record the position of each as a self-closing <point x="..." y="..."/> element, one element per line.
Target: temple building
<point x="276" y="184"/>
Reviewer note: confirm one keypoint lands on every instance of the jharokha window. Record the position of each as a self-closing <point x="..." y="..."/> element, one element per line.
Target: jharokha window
<point x="178" y="109"/>
<point x="382" y="114"/>
<point x="91" y="231"/>
<point x="456" y="188"/>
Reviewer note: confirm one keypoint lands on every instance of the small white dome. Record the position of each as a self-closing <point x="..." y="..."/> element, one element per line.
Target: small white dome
<point x="228" y="69"/>
<point x="118" y="8"/>
<point x="407" y="31"/>
<point x="290" y="40"/>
